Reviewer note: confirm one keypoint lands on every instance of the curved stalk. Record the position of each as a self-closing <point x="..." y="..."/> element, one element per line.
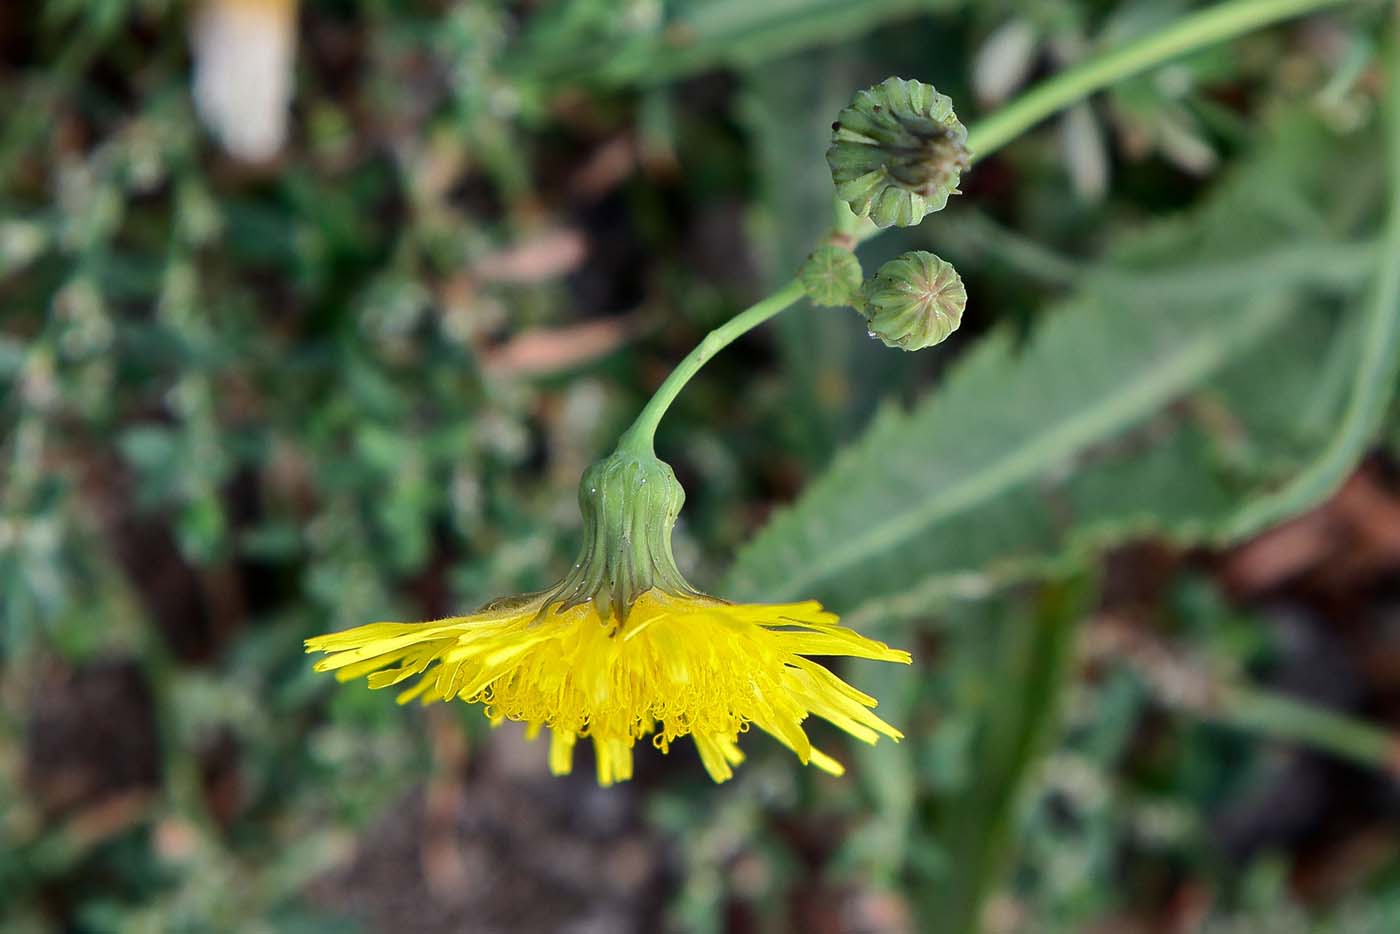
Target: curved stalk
<point x="639" y="437"/>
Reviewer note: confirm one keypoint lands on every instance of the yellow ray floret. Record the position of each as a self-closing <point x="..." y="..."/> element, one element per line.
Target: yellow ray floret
<point x="679" y="665"/>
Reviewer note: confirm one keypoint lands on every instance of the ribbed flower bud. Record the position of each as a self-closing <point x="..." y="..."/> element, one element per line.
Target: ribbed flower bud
<point x="630" y="503"/>
<point x="914" y="301"/>
<point x="897" y="152"/>
<point x="832" y="276"/>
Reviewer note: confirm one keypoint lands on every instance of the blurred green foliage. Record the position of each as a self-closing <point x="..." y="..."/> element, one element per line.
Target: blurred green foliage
<point x="246" y="404"/>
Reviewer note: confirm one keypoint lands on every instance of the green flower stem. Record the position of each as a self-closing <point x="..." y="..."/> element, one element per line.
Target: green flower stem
<point x="1226" y="702"/>
<point x="1216" y="24"/>
<point x="1014" y="727"/>
<point x="638" y="438"/>
<point x="1276" y="715"/>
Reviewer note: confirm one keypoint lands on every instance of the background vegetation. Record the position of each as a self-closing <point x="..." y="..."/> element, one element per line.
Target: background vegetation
<point x="244" y="404"/>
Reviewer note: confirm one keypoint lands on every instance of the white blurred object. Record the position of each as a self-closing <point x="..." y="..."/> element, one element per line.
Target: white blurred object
<point x="243" y="64"/>
<point x="1085" y="152"/>
<point x="1004" y="61"/>
<point x="1181" y="141"/>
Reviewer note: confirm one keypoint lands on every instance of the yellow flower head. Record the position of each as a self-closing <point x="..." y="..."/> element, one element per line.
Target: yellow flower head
<point x="624" y="648"/>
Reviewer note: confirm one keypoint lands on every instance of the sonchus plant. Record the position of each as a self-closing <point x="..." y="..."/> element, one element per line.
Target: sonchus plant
<point x="624" y="648"/>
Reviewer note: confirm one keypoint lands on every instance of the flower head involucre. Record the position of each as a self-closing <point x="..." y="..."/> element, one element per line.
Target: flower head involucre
<point x="897" y="152"/>
<point x="914" y="301"/>
<point x="831" y="276"/>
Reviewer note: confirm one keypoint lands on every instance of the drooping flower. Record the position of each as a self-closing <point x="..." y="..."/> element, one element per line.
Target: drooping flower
<point x="624" y="649"/>
<point x="243" y="64"/>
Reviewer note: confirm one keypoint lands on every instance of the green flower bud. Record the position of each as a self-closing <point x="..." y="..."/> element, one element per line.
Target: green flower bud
<point x="914" y="301"/>
<point x="630" y="503"/>
<point x="832" y="276"/>
<point x="897" y="152"/>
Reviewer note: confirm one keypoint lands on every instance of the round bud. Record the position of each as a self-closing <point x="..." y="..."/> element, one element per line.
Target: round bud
<point x="914" y="301"/>
<point x="897" y="152"/>
<point x="832" y="276"/>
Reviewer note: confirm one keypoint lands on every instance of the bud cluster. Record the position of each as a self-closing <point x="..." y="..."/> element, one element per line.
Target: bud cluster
<point x="896" y="155"/>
